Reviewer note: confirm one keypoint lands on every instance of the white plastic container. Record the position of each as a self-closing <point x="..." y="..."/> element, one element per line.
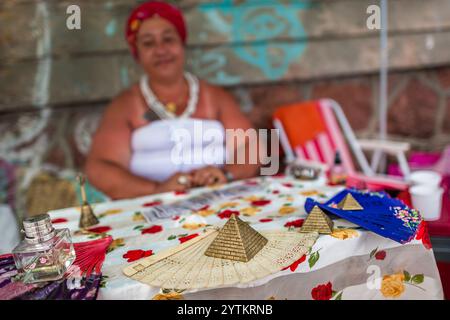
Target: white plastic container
<point x="428" y="200"/>
<point x="426" y="177"/>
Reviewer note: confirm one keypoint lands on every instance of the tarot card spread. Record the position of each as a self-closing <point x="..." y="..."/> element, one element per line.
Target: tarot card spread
<point x="380" y="213"/>
<point x="188" y="267"/>
<point x="186" y="206"/>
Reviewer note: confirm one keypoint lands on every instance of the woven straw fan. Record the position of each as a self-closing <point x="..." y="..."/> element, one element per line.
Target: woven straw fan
<point x="187" y="267"/>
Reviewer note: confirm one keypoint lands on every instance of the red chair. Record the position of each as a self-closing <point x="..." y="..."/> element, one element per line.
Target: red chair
<point x="315" y="130"/>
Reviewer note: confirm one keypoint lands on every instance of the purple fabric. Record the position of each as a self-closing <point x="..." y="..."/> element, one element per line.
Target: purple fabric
<point x="54" y="290"/>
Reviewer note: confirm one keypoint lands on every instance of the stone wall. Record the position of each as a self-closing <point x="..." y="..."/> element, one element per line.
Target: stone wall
<point x="56" y="82"/>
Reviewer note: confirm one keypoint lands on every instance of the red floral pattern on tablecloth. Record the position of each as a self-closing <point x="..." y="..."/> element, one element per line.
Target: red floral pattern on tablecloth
<point x="322" y="292"/>
<point x="268" y="201"/>
<point x="226" y="214"/>
<point x="152" y="203"/>
<point x="422" y="234"/>
<point x="101" y="229"/>
<point x="260" y="203"/>
<point x="295" y="264"/>
<point x="133" y="255"/>
<point x="380" y="255"/>
<point x="296" y="223"/>
<point x="152" y="229"/>
<point x="187" y="238"/>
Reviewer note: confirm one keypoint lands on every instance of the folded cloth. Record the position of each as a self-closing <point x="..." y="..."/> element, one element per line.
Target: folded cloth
<point x="84" y="288"/>
<point x="82" y="280"/>
<point x="379" y="213"/>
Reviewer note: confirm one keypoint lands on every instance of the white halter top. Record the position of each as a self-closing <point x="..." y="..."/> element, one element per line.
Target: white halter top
<point x="175" y="144"/>
<point x="165" y="147"/>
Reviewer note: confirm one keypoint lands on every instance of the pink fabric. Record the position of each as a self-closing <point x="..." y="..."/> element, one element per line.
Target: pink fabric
<point x="335" y="133"/>
<point x="323" y="146"/>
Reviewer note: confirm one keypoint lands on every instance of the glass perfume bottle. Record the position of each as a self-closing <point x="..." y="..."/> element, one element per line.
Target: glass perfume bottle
<point x="337" y="173"/>
<point x="45" y="254"/>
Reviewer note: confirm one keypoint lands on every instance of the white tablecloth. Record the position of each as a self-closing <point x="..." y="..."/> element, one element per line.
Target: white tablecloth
<point x="352" y="263"/>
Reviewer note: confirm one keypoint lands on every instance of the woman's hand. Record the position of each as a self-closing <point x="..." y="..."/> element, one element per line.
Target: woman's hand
<point x="177" y="182"/>
<point x="208" y="176"/>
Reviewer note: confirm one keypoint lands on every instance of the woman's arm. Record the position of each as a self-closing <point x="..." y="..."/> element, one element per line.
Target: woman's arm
<point x="245" y="142"/>
<point x="108" y="160"/>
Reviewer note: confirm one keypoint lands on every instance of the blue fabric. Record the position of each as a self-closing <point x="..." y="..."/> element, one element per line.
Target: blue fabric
<point x="381" y="214"/>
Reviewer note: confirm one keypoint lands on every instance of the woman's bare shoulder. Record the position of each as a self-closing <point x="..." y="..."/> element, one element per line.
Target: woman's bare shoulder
<point x="214" y="89"/>
<point x="126" y="98"/>
<point x="220" y="97"/>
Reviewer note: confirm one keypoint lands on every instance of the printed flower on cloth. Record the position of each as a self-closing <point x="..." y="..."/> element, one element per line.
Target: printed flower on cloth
<point x="260" y="203"/>
<point x="294" y="265"/>
<point x="295" y="224"/>
<point x="325" y="292"/>
<point x="138" y="217"/>
<point x="133" y="255"/>
<point x="193" y="222"/>
<point x="422" y="234"/>
<point x="168" y="296"/>
<point x="116" y="243"/>
<point x="206" y="213"/>
<point x="343" y="234"/>
<point x="392" y="285"/>
<point x="308" y="193"/>
<point x="252" y="198"/>
<point x="322" y="292"/>
<point x="226" y="214"/>
<point x="250" y="211"/>
<point x="101" y="229"/>
<point x="187" y="238"/>
<point x="228" y="205"/>
<point x="286" y="210"/>
<point x="152" y="203"/>
<point x="110" y="213"/>
<point x="151" y="230"/>
<point x="59" y="220"/>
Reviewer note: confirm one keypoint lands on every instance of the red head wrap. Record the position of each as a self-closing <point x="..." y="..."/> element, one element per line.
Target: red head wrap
<point x="148" y="10"/>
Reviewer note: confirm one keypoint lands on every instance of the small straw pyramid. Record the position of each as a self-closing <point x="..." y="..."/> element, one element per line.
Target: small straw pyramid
<point x="349" y="203"/>
<point x="236" y="241"/>
<point x="317" y="221"/>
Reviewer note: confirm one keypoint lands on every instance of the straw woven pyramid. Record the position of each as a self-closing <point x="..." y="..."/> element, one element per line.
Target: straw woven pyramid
<point x="236" y="241"/>
<point x="317" y="221"/>
<point x="349" y="203"/>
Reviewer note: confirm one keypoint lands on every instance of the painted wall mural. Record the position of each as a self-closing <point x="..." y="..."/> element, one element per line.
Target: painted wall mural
<point x="250" y="27"/>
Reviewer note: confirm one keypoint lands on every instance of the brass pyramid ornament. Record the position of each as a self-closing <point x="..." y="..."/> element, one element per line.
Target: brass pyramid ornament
<point x="317" y="221"/>
<point x="87" y="217"/>
<point x="349" y="203"/>
<point x="236" y="241"/>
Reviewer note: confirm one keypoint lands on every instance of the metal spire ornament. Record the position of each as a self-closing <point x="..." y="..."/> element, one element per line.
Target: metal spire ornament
<point x="349" y="203"/>
<point x="87" y="217"/>
<point x="317" y="221"/>
<point x="236" y="241"/>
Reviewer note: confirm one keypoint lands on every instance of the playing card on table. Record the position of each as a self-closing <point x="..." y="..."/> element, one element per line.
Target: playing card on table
<point x="195" y="203"/>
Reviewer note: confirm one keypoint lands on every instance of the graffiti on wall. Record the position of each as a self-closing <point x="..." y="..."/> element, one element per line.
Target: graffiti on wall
<point x="255" y="32"/>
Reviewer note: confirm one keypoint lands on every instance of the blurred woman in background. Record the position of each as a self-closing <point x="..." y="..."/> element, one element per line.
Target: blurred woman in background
<point x="132" y="150"/>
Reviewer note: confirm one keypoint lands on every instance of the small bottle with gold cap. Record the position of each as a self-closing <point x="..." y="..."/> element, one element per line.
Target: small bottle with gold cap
<point x="337" y="173"/>
<point x="45" y="254"/>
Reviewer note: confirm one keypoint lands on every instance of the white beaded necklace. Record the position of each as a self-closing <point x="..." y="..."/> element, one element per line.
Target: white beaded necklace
<point x="159" y="108"/>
